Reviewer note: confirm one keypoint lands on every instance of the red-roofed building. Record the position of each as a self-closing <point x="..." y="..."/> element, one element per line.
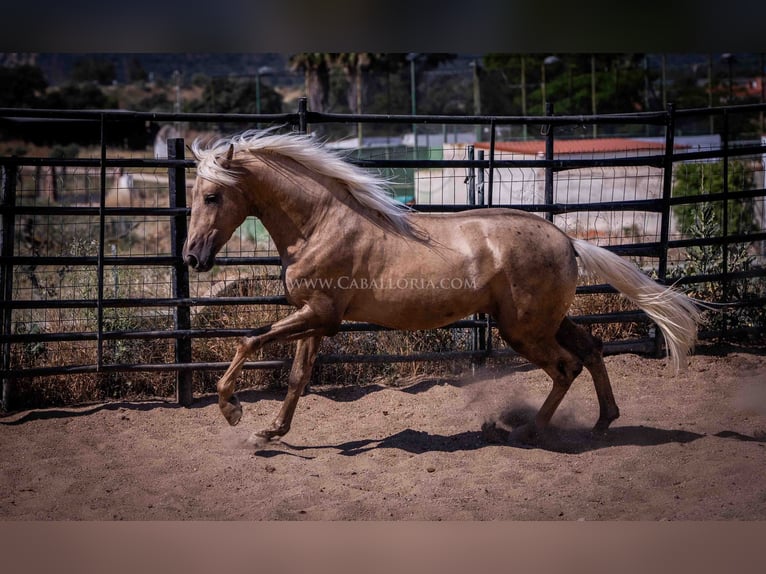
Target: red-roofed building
<point x="608" y="147"/>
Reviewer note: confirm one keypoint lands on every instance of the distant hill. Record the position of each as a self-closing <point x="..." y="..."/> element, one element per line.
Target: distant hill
<point x="57" y="67"/>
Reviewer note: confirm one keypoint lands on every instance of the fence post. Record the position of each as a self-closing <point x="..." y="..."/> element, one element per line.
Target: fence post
<point x="666" y="214"/>
<point x="477" y="339"/>
<point x="480" y="180"/>
<point x="9" y="175"/>
<point x="302" y="116"/>
<point x="485" y="332"/>
<point x="480" y="333"/>
<point x="725" y="222"/>
<point x="101" y="246"/>
<point x="178" y="231"/>
<point x="471" y="179"/>
<point x="549" y="157"/>
<point x="491" y="169"/>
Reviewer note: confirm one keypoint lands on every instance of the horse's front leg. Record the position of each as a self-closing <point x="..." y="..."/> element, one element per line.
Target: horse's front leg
<point x="300" y="373"/>
<point x="303" y="323"/>
<point x="227" y="400"/>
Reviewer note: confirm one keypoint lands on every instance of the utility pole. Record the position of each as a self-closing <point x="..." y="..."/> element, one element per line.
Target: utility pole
<point x="524" y="93"/>
<point x="476" y="97"/>
<point x="412" y="57"/>
<point x="763" y="88"/>
<point x="710" y="90"/>
<point x="593" y="91"/>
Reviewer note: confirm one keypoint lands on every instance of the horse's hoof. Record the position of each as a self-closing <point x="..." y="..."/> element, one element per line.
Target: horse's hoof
<point x="602" y="425"/>
<point x="599" y="429"/>
<point x="606" y="417"/>
<point x="258" y="439"/>
<point x="231" y="410"/>
<point x="269" y="434"/>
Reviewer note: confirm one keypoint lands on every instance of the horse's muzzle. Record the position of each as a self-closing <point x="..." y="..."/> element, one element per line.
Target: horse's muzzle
<point x="199" y="257"/>
<point x="197" y="264"/>
<point x="189" y="258"/>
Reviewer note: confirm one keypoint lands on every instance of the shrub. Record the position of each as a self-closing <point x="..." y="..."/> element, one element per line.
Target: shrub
<point x="706" y="259"/>
<point x="707" y="178"/>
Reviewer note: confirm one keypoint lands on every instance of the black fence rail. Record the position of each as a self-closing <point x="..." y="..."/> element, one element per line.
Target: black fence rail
<point x="43" y="306"/>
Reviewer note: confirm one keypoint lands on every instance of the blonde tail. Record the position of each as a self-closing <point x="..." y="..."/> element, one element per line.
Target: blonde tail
<point x="675" y="314"/>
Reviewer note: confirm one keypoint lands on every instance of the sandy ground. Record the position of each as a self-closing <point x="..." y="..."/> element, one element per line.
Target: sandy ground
<point x="689" y="447"/>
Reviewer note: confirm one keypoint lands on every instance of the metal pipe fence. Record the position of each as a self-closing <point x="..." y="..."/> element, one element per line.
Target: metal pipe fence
<point x="82" y="282"/>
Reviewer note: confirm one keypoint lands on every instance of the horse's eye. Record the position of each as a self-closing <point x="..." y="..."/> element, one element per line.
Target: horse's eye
<point x="211" y="199"/>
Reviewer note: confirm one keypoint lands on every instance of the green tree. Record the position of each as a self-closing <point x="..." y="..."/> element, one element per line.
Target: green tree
<point x="136" y="72"/>
<point x="74" y="97"/>
<point x="620" y="83"/>
<point x="357" y="68"/>
<point x="236" y="96"/>
<point x="96" y="70"/>
<point x="158" y="102"/>
<point x="389" y="93"/>
<point x="22" y="86"/>
<point x="342" y="79"/>
<point x="449" y="94"/>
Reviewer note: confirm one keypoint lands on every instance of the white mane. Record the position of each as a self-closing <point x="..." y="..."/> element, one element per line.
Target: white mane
<point x="369" y="190"/>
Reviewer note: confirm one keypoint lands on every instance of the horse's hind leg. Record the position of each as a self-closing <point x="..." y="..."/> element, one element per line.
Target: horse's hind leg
<point x="545" y="351"/>
<point x="563" y="367"/>
<point x="300" y="373"/>
<point x="589" y="350"/>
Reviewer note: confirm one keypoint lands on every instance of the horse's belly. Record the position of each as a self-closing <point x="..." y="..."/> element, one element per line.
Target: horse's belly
<point x="417" y="303"/>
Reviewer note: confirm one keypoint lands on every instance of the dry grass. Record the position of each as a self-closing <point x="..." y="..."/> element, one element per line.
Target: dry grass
<point x="602" y="303"/>
<point x="84" y="387"/>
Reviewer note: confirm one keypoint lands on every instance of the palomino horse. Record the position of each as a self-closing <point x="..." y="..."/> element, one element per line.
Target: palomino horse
<point x="351" y="252"/>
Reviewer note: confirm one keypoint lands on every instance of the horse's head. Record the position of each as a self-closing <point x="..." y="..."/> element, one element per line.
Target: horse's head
<point x="217" y="209"/>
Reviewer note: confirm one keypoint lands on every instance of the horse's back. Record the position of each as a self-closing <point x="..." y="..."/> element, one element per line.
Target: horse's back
<point x="514" y="250"/>
<point x="513" y="236"/>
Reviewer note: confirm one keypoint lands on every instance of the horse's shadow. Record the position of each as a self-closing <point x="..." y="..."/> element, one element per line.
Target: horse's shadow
<point x="507" y="431"/>
<point x="564" y="441"/>
<point x="86" y="410"/>
<point x="351" y="393"/>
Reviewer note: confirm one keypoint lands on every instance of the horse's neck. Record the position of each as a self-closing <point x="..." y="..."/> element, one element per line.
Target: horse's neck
<point x="293" y="203"/>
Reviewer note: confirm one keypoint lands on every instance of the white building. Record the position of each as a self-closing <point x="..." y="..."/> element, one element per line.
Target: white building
<point x="526" y="185"/>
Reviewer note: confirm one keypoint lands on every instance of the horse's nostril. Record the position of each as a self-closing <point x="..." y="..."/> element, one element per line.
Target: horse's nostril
<point x="191" y="261"/>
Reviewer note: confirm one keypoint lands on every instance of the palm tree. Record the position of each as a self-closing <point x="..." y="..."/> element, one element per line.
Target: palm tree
<point x="354" y="64"/>
<point x="315" y="68"/>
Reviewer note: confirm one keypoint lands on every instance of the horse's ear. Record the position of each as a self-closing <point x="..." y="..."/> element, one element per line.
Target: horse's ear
<point x="229" y="155"/>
